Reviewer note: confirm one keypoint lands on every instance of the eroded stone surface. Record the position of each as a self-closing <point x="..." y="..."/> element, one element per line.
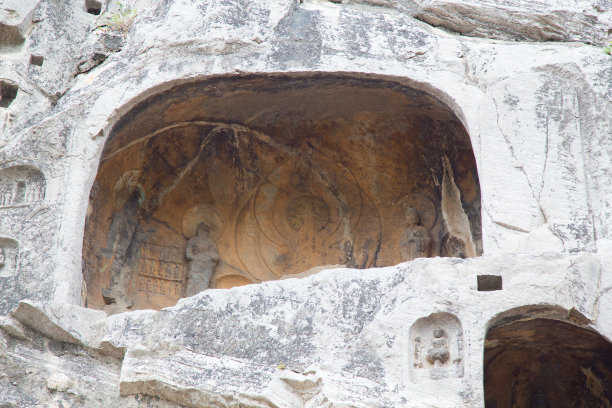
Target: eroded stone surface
<point x="15" y="22"/>
<point x="538" y="117"/>
<point x="582" y="21"/>
<point x="339" y="338"/>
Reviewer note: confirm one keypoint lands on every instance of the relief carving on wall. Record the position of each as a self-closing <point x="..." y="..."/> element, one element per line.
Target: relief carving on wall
<point x="203" y="258"/>
<point x="437" y="348"/>
<point x="229" y="205"/>
<point x="9" y="256"/>
<point x="21" y="185"/>
<point x="297" y="219"/>
<point x="415" y="241"/>
<point x="160" y="271"/>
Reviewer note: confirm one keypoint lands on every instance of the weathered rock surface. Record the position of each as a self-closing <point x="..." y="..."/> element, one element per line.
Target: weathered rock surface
<point x="15" y="22"/>
<point x="583" y="21"/>
<point x="338" y="338"/>
<point x="538" y="110"/>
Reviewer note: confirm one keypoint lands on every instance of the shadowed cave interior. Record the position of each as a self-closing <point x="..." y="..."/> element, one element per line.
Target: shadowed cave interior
<point x="244" y="179"/>
<point x="546" y="363"/>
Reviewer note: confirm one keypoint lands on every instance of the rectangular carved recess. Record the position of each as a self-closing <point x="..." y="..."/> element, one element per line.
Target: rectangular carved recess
<point x="489" y="283"/>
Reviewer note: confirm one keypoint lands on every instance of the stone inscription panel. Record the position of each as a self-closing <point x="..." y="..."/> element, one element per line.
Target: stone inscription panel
<point x="160" y="270"/>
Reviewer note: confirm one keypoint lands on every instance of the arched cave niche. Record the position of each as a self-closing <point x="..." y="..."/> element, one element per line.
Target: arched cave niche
<point x="546" y="361"/>
<point x="254" y="178"/>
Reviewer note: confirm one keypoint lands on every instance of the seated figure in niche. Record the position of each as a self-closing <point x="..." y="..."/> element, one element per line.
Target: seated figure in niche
<point x="415" y="241"/>
<point x="438" y="353"/>
<point x="203" y="258"/>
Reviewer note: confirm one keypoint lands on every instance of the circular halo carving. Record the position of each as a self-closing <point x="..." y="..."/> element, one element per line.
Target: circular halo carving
<point x="425" y="207"/>
<point x="307" y="209"/>
<point x="203" y="214"/>
<point x="125" y="186"/>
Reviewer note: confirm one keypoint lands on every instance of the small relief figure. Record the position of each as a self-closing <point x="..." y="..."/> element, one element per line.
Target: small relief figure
<point x="6" y="197"/>
<point x="418" y="363"/>
<point x="458" y="361"/>
<point x="415" y="241"/>
<point x="438" y="353"/>
<point x="203" y="256"/>
<point x="35" y="192"/>
<point x="539" y="400"/>
<point x="453" y="247"/>
<point x="2" y="257"/>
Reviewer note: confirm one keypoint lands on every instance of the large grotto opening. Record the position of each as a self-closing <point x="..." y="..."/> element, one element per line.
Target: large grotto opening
<point x="243" y="179"/>
<point x="546" y="363"/>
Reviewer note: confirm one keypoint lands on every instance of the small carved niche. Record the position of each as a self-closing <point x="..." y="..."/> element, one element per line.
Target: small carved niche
<point x="489" y="283"/>
<point x="36" y="60"/>
<point x="93" y="7"/>
<point x="436" y="344"/>
<point x="9" y="252"/>
<point x="8" y="92"/>
<point x="21" y="185"/>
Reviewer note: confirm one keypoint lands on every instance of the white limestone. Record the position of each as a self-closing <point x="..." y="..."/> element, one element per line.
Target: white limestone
<point x="539" y="115"/>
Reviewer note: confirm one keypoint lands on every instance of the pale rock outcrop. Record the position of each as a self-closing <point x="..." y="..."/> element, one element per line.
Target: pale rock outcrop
<point x="15" y="22"/>
<point x="338" y="338"/>
<point x="583" y="21"/>
<point x="533" y="91"/>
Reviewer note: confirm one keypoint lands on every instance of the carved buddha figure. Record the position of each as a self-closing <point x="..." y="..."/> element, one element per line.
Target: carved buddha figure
<point x="438" y="352"/>
<point x="203" y="256"/>
<point x="415" y="241"/>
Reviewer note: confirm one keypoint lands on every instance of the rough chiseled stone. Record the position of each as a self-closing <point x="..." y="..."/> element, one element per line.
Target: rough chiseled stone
<point x="533" y="93"/>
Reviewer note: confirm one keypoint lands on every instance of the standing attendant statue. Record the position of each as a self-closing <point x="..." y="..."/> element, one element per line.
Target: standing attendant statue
<point x="415" y="241"/>
<point x="203" y="258"/>
<point x="117" y="253"/>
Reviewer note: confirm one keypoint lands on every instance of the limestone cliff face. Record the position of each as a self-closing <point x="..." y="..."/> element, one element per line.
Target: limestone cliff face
<point x="301" y="133"/>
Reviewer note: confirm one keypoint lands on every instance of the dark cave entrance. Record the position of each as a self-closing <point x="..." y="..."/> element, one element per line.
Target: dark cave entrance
<point x="546" y="363"/>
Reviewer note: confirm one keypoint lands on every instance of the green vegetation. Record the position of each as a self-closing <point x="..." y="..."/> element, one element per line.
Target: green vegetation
<point x="122" y="19"/>
<point x="608" y="49"/>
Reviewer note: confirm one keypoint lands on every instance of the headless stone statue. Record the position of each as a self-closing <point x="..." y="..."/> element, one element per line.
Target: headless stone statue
<point x="119" y="240"/>
<point x="415" y="241"/>
<point x="203" y="256"/>
<point x="438" y="353"/>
